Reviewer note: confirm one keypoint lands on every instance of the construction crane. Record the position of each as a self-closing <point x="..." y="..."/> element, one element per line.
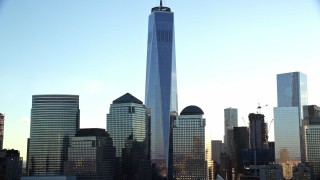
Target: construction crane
<point x="260" y="107"/>
<point x="245" y="123"/>
<point x="270" y="125"/>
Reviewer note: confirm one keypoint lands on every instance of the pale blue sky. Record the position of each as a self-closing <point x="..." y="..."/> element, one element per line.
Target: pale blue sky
<point x="228" y="54"/>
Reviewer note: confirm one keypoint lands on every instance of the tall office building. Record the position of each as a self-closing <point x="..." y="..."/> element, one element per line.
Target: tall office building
<point x="240" y="142"/>
<point x="216" y="150"/>
<point x="312" y="137"/>
<point x="91" y="155"/>
<point x="128" y="125"/>
<point x="230" y="121"/>
<point x="189" y="161"/>
<point x="54" y="120"/>
<point x="1" y="130"/>
<point x="161" y="82"/>
<point x="288" y="125"/>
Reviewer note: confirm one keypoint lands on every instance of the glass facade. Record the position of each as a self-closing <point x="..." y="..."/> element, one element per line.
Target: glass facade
<point x="313" y="147"/>
<point x="287" y="138"/>
<point x="91" y="155"/>
<point x="291" y="92"/>
<point x="189" y="148"/>
<point x="1" y="130"/>
<point x="230" y="121"/>
<point x="312" y="137"/>
<point x="128" y="126"/>
<point x="161" y="82"/>
<point x="54" y="120"/>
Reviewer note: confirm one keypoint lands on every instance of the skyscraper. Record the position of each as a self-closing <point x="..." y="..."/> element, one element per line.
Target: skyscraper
<point x="161" y="82"/>
<point x="230" y="121"/>
<point x="128" y="126"/>
<point x="1" y="130"/>
<point x="241" y="142"/>
<point x="216" y="149"/>
<point x="312" y="137"/>
<point x="189" y="156"/>
<point x="292" y="96"/>
<point x="54" y="120"/>
<point x="91" y="155"/>
<point x="258" y="132"/>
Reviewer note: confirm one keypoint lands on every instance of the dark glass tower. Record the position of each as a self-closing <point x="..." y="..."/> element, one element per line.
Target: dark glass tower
<point x="161" y="82"/>
<point x="91" y="155"/>
<point x="54" y="120"/>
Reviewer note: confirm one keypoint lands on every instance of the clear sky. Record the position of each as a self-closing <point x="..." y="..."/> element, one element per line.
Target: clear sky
<point x="228" y="54"/>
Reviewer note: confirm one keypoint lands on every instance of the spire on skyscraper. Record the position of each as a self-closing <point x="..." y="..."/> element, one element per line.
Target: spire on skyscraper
<point x="161" y="8"/>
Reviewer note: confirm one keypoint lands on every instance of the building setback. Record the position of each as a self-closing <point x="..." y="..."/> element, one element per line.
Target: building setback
<point x="292" y="95"/>
<point x="54" y="120"/>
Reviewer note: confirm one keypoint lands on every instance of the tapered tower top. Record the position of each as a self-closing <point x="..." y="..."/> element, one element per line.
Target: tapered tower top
<point x="161" y="8"/>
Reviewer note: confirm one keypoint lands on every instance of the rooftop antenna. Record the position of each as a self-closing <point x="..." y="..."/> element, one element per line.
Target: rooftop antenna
<point x="160" y="3"/>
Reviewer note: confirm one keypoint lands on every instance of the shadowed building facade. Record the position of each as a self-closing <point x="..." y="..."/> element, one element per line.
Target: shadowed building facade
<point x="54" y="120"/>
<point x="1" y="130"/>
<point x="128" y="124"/>
<point x="161" y="83"/>
<point x="91" y="155"/>
<point x="10" y="164"/>
<point x="240" y="142"/>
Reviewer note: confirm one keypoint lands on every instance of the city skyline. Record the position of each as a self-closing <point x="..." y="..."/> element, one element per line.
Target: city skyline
<point x="228" y="55"/>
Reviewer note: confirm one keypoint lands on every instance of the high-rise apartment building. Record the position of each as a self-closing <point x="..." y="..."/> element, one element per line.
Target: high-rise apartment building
<point x="189" y="161"/>
<point x="1" y="130"/>
<point x="161" y="83"/>
<point x="54" y="120"/>
<point x="230" y="121"/>
<point x="292" y="96"/>
<point x="91" y="155"/>
<point x="128" y="124"/>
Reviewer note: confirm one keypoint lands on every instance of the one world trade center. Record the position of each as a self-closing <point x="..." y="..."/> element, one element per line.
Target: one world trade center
<point x="161" y="83"/>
